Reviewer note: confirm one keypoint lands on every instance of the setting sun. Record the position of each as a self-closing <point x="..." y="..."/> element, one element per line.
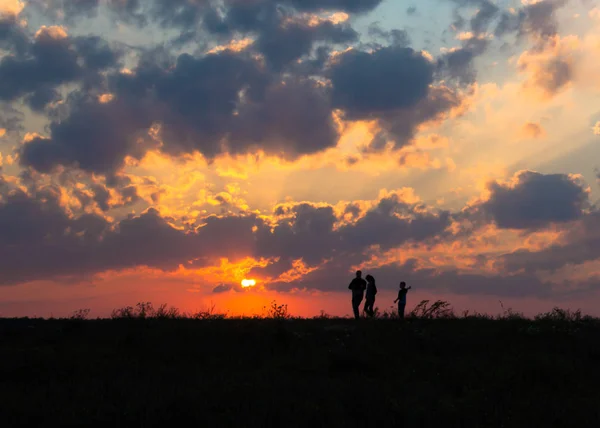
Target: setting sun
<point x="246" y="283"/>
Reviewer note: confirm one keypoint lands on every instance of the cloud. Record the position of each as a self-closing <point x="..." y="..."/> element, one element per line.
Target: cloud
<point x="532" y="201"/>
<point x="335" y="276"/>
<point x="551" y="69"/>
<point x="532" y="130"/>
<point x="13" y="37"/>
<point x="392" y="85"/>
<point x="302" y="246"/>
<point x="596" y="128"/>
<point x="580" y="244"/>
<point x="96" y="137"/>
<point x="367" y="84"/>
<point x="458" y="63"/>
<point x="214" y="104"/>
<point x="10" y="118"/>
<point x="52" y="59"/>
<point x="39" y="232"/>
<point x="536" y="20"/>
<point x="11" y="8"/>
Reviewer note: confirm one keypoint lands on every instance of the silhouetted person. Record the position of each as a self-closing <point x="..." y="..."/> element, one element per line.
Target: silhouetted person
<point x="357" y="286"/>
<point x="371" y="292"/>
<point x="402" y="299"/>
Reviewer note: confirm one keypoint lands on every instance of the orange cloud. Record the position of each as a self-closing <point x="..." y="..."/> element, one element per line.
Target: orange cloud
<point x="11" y="7"/>
<point x="550" y="69"/>
<point x="53" y="32"/>
<point x="532" y="130"/>
<point x="105" y="98"/>
<point x="234" y="46"/>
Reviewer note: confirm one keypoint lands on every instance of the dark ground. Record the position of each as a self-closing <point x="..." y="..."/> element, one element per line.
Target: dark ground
<point x="291" y="373"/>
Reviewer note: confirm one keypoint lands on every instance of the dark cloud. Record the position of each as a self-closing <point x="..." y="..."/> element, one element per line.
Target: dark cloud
<point x="337" y="273"/>
<point x="10" y="118"/>
<point x="214" y="104"/>
<point x="535" y="201"/>
<point x="294" y="119"/>
<point x="95" y="137"/>
<point x="391" y="85"/>
<point x="12" y="36"/>
<point x="367" y="84"/>
<point x="485" y="14"/>
<point x="393" y="37"/>
<point x="399" y="126"/>
<point x="223" y="288"/>
<point x="350" y="6"/>
<point x="282" y="45"/>
<point x="70" y="10"/>
<point x="53" y="59"/>
<point x="39" y="239"/>
<point x="459" y="64"/>
<point x="309" y="233"/>
<point x="537" y="19"/>
<point x="580" y="244"/>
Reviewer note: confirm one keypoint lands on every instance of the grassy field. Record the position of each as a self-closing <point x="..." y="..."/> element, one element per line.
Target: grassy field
<point x="456" y="371"/>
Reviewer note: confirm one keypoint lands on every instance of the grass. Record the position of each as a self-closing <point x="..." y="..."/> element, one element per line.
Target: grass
<point x="164" y="368"/>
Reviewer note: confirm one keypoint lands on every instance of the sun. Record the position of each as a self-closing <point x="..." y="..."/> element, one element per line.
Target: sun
<point x="247" y="283"/>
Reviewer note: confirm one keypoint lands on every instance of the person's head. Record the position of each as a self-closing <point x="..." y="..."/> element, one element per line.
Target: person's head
<point x="370" y="279"/>
<point x="358" y="273"/>
<point x="403" y="284"/>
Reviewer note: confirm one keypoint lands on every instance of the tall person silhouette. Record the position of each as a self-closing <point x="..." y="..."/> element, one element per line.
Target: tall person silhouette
<point x="371" y="292"/>
<point x="357" y="286"/>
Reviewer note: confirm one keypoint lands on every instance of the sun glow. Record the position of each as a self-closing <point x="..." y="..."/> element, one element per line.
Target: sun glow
<point x="247" y="283"/>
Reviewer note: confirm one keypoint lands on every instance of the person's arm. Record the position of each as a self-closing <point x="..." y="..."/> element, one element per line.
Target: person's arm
<point x="351" y="286"/>
<point x="395" y="300"/>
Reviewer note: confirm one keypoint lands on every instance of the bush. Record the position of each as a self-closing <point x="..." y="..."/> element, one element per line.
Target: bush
<point x="208" y="314"/>
<point x="438" y="309"/>
<point x="80" y="314"/>
<point x="560" y="315"/>
<point x="509" y="314"/>
<point x="144" y="310"/>
<point x="278" y="312"/>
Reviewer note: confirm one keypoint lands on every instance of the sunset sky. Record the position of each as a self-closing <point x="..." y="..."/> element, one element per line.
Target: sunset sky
<point x="166" y="150"/>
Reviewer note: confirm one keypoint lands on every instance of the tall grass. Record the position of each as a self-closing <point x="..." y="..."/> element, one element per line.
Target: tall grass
<point x="424" y="310"/>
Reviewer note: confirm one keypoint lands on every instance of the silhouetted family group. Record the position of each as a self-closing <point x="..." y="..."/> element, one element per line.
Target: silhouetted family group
<point x="358" y="287"/>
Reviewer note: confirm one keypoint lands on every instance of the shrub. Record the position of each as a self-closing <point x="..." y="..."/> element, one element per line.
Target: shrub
<point x="80" y="314"/>
<point x="208" y="314"/>
<point x="560" y="315"/>
<point x="278" y="312"/>
<point x="438" y="309"/>
<point x="509" y="314"/>
<point x="322" y="316"/>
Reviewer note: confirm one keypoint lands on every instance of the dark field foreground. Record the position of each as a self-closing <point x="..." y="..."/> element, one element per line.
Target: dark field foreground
<point x="468" y="372"/>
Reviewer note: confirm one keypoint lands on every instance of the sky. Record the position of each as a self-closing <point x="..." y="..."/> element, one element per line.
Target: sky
<point x="166" y="150"/>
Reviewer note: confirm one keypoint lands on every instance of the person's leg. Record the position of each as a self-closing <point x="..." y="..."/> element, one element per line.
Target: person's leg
<point x="401" y="307"/>
<point x="356" y="306"/>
